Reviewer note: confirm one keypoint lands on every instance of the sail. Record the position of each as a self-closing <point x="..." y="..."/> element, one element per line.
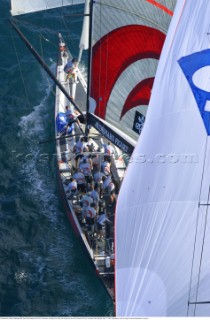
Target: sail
<point x="127" y="40"/>
<point x="84" y="40"/>
<point x="25" y="6"/>
<point x="163" y="211"/>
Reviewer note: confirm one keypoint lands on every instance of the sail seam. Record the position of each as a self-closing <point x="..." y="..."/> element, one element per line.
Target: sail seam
<point x="199" y="273"/>
<point x="136" y="15"/>
<point x="196" y="232"/>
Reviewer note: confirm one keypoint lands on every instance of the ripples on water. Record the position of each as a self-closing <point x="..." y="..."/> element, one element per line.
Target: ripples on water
<point x="43" y="271"/>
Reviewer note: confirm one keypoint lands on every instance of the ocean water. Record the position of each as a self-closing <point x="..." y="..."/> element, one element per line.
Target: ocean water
<point x="43" y="270"/>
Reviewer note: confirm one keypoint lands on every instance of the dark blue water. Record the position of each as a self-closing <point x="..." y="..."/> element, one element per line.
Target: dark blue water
<point x="43" y="270"/>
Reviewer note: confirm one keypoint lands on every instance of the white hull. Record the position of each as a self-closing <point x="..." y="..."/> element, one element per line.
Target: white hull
<point x="97" y="253"/>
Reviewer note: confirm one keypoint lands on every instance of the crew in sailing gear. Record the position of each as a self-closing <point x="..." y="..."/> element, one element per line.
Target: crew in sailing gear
<point x="72" y="186"/>
<point x="71" y="69"/>
<point x="107" y="186"/>
<point x="88" y="157"/>
<point x="91" y="147"/>
<point x="111" y="187"/>
<point x="111" y="203"/>
<point x="105" y="168"/>
<point x="79" y="148"/>
<point x="105" y="182"/>
<point x="85" y="202"/>
<point x="62" y="124"/>
<point x="97" y="177"/>
<point x="85" y="168"/>
<point x="108" y="151"/>
<point x="70" y="118"/>
<point x="102" y="220"/>
<point x="95" y="194"/>
<point x="62" y="48"/>
<point x="80" y="178"/>
<point x="90" y="217"/>
<point x="96" y="162"/>
<point x="69" y="113"/>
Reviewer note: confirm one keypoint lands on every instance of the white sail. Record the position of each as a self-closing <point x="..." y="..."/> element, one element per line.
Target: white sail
<point x="24" y="6"/>
<point x="162" y="217"/>
<point x="84" y="40"/>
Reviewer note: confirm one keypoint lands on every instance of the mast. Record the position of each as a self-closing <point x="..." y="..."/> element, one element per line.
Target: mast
<point x="89" y="65"/>
<point x="117" y="138"/>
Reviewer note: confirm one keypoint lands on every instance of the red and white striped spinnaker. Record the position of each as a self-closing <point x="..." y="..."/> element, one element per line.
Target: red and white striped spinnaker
<point x="127" y="39"/>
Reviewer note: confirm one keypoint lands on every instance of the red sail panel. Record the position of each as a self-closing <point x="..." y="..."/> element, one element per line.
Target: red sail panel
<point x="140" y="95"/>
<point x="136" y="42"/>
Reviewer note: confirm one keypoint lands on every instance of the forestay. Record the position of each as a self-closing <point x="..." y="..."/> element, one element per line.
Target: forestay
<point x="127" y="40"/>
<point x="162" y="218"/>
<point x="27" y="6"/>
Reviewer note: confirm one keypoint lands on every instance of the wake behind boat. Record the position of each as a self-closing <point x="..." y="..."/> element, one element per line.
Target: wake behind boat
<point x="124" y="39"/>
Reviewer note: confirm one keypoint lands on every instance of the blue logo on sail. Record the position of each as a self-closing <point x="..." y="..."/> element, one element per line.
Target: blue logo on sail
<point x="191" y="65"/>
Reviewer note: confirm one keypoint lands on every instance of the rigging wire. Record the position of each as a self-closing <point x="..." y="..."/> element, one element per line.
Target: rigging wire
<point x="45" y="75"/>
<point x="20" y="69"/>
<point x="196" y="232"/>
<point x="199" y="273"/>
<point x="69" y="34"/>
<point x="41" y="37"/>
<point x="36" y="27"/>
<point x="51" y="88"/>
